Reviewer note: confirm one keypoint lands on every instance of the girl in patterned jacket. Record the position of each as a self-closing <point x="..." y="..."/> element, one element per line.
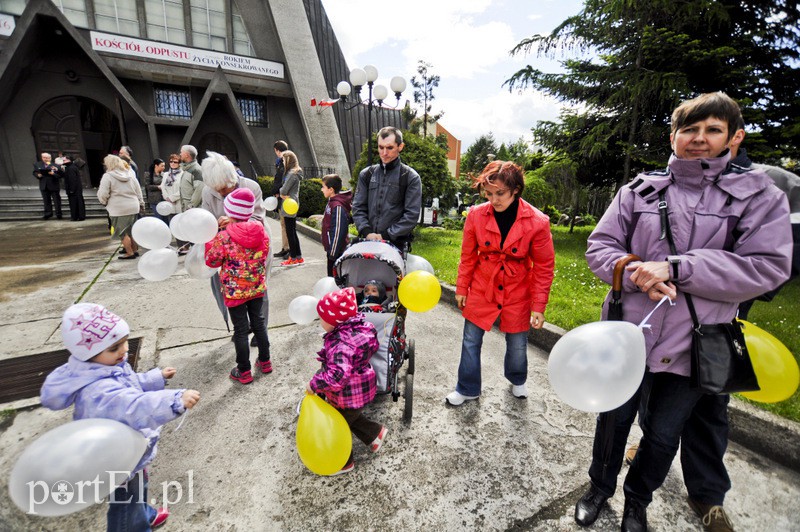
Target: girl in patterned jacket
<point x="100" y="383"/>
<point x="241" y="250"/>
<point x="346" y="378"/>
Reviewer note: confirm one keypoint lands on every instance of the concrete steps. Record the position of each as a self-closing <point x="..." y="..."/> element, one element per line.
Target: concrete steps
<point x="28" y="206"/>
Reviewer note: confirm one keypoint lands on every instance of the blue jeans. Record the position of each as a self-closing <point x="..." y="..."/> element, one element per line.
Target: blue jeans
<point x="469" y="370"/>
<point x="127" y="506"/>
<point x="673" y="413"/>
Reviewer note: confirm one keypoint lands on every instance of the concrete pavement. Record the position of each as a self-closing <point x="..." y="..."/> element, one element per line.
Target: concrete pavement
<point x="495" y="464"/>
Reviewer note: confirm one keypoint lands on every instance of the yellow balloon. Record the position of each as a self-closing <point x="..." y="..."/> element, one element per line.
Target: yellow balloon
<point x="775" y="367"/>
<point x="290" y="206"/>
<point x="323" y="437"/>
<point x="419" y="291"/>
<point x="464" y="213"/>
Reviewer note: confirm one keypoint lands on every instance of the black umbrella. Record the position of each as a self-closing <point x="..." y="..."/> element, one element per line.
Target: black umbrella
<point x="216" y="289"/>
<point x="607" y="420"/>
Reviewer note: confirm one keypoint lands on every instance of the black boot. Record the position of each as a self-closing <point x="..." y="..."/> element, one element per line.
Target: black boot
<point x="588" y="507"/>
<point x="634" y="517"/>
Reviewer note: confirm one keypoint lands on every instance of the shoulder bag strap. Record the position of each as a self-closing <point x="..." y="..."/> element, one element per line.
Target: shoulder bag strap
<point x="666" y="232"/>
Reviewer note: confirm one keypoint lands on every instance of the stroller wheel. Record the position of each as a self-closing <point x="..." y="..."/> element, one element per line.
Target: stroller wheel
<point x="408" y="408"/>
<point x="410" y="356"/>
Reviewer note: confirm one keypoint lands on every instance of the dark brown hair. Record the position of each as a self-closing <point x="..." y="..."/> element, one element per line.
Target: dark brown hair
<point x="333" y="181"/>
<point x="505" y="172"/>
<point x="711" y="104"/>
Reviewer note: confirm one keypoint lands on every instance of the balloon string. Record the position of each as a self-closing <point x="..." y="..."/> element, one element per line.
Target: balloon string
<point x="644" y="324"/>
<point x="183" y="418"/>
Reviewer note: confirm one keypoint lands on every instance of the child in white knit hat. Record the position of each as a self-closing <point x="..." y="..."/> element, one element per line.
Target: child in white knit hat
<point x="241" y="249"/>
<point x="100" y="383"/>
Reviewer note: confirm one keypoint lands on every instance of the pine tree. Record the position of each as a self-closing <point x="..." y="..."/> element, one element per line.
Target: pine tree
<point x="639" y="59"/>
<point x="423" y="93"/>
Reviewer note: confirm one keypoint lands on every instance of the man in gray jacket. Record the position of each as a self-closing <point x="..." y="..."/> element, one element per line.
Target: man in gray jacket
<point x="389" y="195"/>
<point x="192" y="182"/>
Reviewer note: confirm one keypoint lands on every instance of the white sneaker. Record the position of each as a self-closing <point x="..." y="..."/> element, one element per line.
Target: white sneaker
<point x="456" y="399"/>
<point x="519" y="391"/>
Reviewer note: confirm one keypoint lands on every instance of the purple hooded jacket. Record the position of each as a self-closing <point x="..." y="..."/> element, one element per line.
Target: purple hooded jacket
<point x="733" y="238"/>
<point x="114" y="392"/>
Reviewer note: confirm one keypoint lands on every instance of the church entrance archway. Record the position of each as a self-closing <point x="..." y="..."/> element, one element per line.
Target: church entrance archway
<point x="219" y="143"/>
<point x="78" y="126"/>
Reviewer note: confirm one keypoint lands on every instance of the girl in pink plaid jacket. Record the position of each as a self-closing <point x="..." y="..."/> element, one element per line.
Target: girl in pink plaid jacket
<point x="346" y="378"/>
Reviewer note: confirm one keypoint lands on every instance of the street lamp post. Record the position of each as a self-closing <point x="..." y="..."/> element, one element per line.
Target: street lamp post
<point x="376" y="95"/>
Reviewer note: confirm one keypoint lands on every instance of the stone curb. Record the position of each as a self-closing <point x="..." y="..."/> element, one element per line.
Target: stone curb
<point x="760" y="431"/>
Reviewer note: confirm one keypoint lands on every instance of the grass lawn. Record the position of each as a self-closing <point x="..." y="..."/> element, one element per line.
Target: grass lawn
<point x="577" y="295"/>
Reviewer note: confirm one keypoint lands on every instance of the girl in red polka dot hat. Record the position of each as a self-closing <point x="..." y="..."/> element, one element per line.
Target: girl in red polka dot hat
<point x="346" y="378"/>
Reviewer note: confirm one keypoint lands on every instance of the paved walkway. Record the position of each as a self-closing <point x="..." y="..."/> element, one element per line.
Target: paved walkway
<point x="496" y="464"/>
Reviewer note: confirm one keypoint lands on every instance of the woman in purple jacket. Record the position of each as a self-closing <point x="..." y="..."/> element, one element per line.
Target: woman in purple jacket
<point x="732" y="234"/>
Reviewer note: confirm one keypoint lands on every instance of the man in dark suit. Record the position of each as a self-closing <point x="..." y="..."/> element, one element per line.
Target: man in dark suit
<point x="47" y="174"/>
<point x="74" y="187"/>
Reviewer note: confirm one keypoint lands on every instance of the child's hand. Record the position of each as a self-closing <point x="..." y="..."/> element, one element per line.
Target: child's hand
<point x="309" y="390"/>
<point x="168" y="373"/>
<point x="190" y="398"/>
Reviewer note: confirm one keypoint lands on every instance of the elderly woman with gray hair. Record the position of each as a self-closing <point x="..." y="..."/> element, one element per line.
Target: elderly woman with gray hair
<point x="220" y="179"/>
<point x="121" y="194"/>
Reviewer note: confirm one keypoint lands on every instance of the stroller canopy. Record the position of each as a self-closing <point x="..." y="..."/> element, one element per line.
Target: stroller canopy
<point x="369" y="260"/>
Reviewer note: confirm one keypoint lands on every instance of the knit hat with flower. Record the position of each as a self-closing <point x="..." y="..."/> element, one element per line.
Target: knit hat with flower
<point x="88" y="329"/>
<point x="337" y="307"/>
<point x="240" y="204"/>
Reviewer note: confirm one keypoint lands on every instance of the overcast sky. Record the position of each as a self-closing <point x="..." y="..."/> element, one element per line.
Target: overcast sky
<point x="468" y="44"/>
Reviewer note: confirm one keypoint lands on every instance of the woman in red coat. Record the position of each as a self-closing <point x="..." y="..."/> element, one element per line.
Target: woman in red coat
<point x="506" y="270"/>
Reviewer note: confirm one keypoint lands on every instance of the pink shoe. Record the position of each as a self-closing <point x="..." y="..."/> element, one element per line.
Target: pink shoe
<point x="161" y="517"/>
<point x="245" y="377"/>
<point x="346" y="469"/>
<point x="265" y="366"/>
<point x="378" y="442"/>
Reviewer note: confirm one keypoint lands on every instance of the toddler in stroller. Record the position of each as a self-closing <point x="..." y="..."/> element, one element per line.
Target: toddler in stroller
<point x="369" y="267"/>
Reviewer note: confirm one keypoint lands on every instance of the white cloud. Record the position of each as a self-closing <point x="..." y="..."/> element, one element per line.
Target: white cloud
<point x="507" y="115"/>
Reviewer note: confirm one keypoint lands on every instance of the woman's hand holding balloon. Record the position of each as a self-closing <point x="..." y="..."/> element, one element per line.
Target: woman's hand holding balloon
<point x="659" y="290"/>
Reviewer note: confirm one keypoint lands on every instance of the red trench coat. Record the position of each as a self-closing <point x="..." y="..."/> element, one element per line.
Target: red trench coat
<point x="510" y="282"/>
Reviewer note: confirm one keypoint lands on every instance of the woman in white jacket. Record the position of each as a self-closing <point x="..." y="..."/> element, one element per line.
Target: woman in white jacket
<point x="121" y="194"/>
<point x="171" y="182"/>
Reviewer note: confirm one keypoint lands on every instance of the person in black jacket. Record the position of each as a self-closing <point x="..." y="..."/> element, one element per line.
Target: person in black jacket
<point x="47" y="174"/>
<point x="73" y="184"/>
<point x="280" y="146"/>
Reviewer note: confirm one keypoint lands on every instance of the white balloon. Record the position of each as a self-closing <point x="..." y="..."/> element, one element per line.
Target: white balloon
<point x="597" y="367"/>
<point x="195" y="263"/>
<point x="151" y="233"/>
<point x="271" y="203"/>
<point x="175" y="227"/>
<point x="158" y="264"/>
<point x="415" y="262"/>
<point x="198" y="225"/>
<point x="45" y="478"/>
<point x="303" y="310"/>
<point x="164" y="208"/>
<point x="324" y="286"/>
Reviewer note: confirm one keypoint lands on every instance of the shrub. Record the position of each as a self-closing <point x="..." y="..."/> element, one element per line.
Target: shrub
<point x="265" y="182"/>
<point x="311" y="199"/>
<point x="537" y="192"/>
<point x="453" y="224"/>
<point x="553" y="213"/>
<point x="589" y="219"/>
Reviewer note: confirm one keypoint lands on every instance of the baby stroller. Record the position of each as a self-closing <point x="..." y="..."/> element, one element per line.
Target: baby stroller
<point x="366" y="260"/>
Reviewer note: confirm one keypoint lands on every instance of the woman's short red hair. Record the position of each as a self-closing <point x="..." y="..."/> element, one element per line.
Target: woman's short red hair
<point x="501" y="172"/>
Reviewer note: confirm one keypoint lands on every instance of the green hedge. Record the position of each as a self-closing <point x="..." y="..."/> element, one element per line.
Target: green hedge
<point x="311" y="199"/>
